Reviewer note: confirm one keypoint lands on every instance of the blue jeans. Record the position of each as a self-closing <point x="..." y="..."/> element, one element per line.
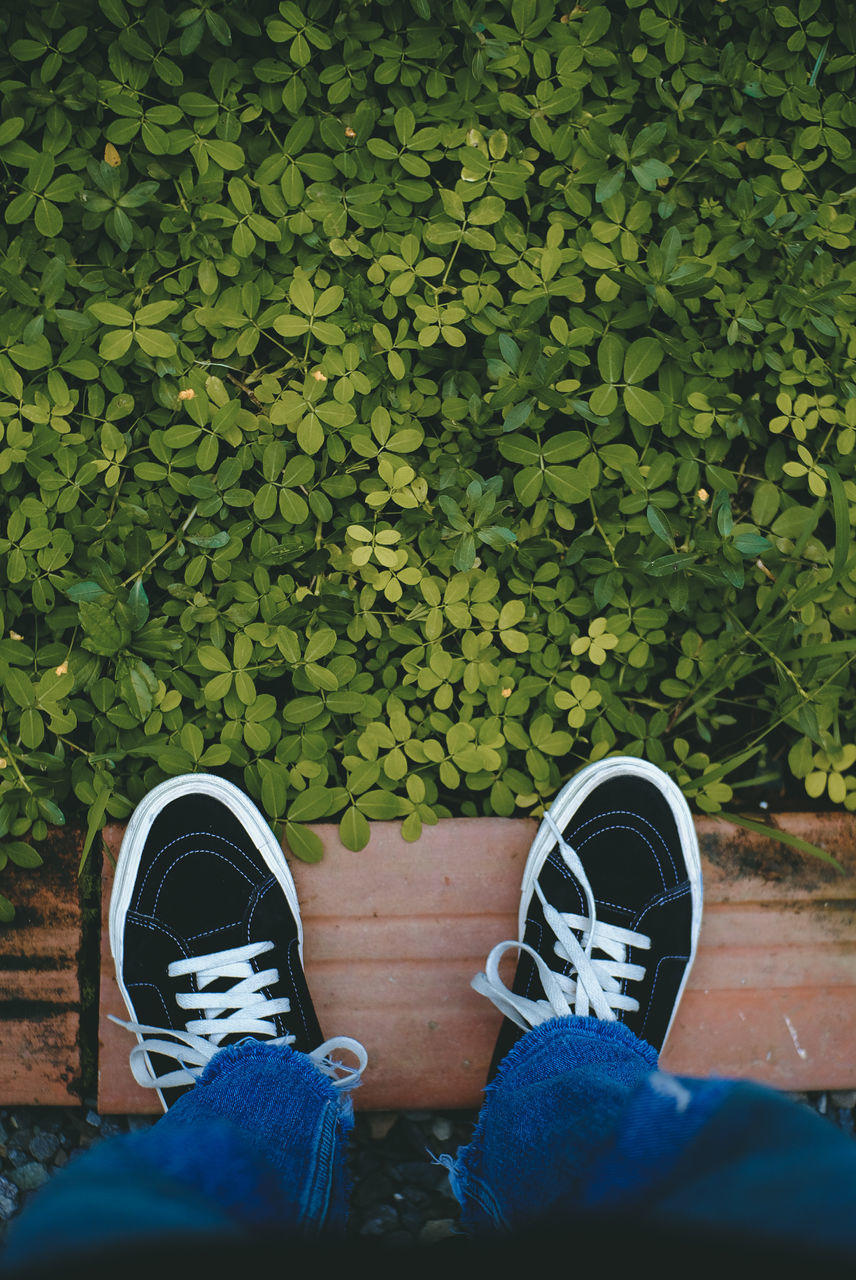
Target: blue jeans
<point x="579" y="1119"/>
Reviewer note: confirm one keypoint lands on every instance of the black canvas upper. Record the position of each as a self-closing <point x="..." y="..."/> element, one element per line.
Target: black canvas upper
<point x="202" y="887"/>
<point x="627" y="839"/>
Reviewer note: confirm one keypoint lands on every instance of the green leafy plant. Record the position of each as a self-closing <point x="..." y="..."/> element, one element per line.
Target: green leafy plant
<point x="402" y="405"/>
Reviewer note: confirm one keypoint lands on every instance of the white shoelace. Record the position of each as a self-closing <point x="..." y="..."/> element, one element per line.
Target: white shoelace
<point x="594" y="986"/>
<point x="241" y="1010"/>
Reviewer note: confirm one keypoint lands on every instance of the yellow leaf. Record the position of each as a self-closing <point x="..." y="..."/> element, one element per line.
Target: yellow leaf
<point x="815" y="784"/>
<point x="836" y="788"/>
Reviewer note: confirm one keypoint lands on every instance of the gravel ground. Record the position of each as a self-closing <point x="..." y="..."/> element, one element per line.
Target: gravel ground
<point x="400" y="1196"/>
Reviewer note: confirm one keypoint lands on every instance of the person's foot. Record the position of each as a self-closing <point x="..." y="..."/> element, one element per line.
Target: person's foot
<point x="610" y="907"/>
<point x="206" y="936"/>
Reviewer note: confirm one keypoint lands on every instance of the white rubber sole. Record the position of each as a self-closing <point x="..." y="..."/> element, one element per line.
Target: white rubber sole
<point x="571" y="797"/>
<point x="140" y="824"/>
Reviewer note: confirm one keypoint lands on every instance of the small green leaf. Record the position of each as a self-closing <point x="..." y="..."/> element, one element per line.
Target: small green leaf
<point x="32" y="728"/>
<point x="111" y="313"/>
<point x="660" y="525"/>
<point x="310" y="805"/>
<point x="486" y="211"/>
<point x="213" y="659"/>
<point x="568" y="484"/>
<point x="643" y="405"/>
<point x="304" y="843"/>
<point x="138" y="687"/>
<point x="227" y="154"/>
<point x="154" y="342"/>
<point x="380" y="806"/>
<point x="138" y="602"/>
<point x="610" y="357"/>
<point x="643" y="357"/>
<point x="23" y="855"/>
<point x="354" y="829"/>
<point x="291" y="326"/>
<point x="599" y="256"/>
<point x="116" y="344"/>
<point x="19" y="688"/>
<point x="302" y="294"/>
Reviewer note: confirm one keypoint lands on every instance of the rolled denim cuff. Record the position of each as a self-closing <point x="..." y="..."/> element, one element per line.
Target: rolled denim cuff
<point x="547" y="1115"/>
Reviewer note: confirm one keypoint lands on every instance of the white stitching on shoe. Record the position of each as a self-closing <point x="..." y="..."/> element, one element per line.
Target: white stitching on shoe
<point x="677" y="891"/>
<point x="615" y="813"/>
<point x="208" y="836"/>
<point x="141" y="986"/>
<point x="207" y="933"/>
<point x="682" y="959"/>
<point x="581" y="844"/>
<point x="157" y="926"/>
<point x="189" y="854"/>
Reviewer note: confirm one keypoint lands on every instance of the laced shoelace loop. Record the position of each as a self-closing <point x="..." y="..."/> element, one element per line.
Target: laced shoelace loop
<point x="594" y="985"/>
<point x="242" y="1010"/>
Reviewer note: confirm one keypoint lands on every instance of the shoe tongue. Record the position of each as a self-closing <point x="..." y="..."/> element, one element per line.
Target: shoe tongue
<point x="217" y="985"/>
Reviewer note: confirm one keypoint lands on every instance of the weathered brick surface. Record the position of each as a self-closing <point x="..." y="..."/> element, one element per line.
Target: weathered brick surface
<point x="39" y="989"/>
<point x="394" y="934"/>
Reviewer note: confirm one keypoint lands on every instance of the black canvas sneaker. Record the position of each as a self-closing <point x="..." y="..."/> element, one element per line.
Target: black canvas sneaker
<point x="206" y="936"/>
<point x="610" y="907"/>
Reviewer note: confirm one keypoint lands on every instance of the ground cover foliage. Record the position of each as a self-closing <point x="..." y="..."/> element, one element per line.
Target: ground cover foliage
<point x="405" y="403"/>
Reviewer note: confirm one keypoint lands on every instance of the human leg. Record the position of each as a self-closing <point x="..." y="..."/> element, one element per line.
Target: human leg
<point x="608" y="925"/>
<point x="578" y="1119"/>
<point x="207" y="939"/>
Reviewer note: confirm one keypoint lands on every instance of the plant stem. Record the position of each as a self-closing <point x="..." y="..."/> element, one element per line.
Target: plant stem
<point x="151" y="560"/>
<point x="14" y="764"/>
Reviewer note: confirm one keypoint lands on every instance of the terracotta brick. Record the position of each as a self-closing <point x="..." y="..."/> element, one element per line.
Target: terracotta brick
<point x="40" y="1002"/>
<point x="394" y="934"/>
